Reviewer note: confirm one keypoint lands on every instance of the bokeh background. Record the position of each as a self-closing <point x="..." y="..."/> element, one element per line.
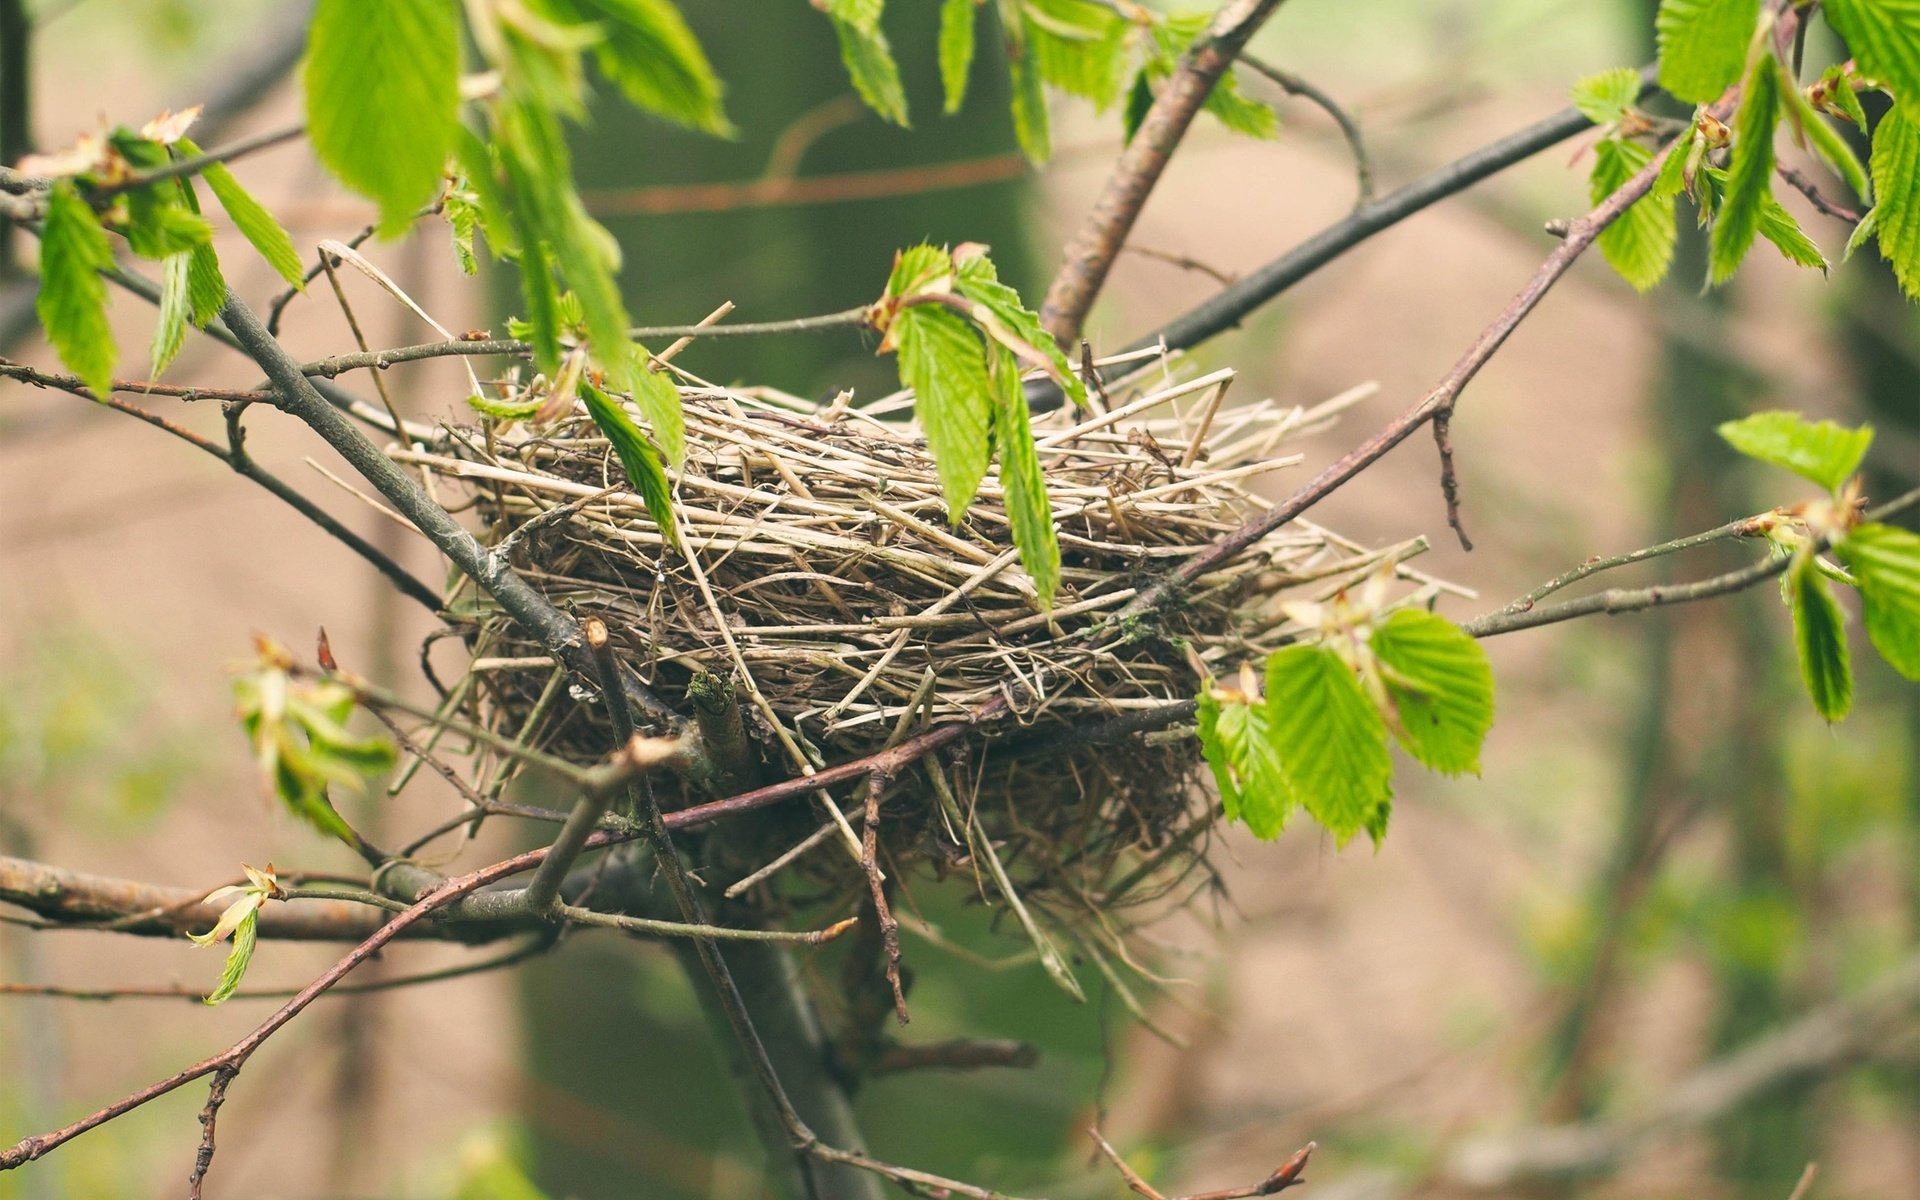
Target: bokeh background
<point x="1668" y="854"/>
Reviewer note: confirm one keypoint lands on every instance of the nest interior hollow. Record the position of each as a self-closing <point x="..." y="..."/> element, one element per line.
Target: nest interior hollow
<point x="819" y="585"/>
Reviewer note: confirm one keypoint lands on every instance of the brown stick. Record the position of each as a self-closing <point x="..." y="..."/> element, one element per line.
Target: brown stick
<point x="1090" y="255"/>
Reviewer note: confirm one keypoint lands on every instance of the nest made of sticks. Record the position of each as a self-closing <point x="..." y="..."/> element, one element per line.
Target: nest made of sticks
<point x="820" y="586"/>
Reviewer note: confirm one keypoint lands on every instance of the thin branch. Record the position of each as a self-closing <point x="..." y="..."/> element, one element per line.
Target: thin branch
<point x="408" y="584"/>
<point x="1755" y="526"/>
<point x="1090" y="255"/>
<point x="1295" y="85"/>
<point x="1621" y="600"/>
<point x="1806" y="187"/>
<point x="1436" y="404"/>
<point x="1286" y="1175"/>
<point x="209" y="1113"/>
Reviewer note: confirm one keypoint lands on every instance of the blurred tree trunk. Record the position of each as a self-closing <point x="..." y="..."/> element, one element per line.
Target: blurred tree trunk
<point x="616" y="1042"/>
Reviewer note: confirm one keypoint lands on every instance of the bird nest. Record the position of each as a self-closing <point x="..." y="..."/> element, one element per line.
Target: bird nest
<point x="819" y="588"/>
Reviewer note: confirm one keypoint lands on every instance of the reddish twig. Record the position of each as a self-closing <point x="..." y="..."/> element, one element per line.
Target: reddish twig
<point x="1800" y="183"/>
<point x="1286" y="1175"/>
<point x="877" y="784"/>
<point x="1090" y="255"/>
<point x="209" y="1114"/>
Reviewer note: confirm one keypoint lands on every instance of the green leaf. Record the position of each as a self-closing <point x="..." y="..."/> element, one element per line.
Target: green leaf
<point x="1778" y="226"/>
<point x="1749" y="172"/>
<point x="1841" y="96"/>
<point x="1821" y="638"/>
<point x="1672" y="179"/>
<point x="1895" y="163"/>
<point x="503" y="410"/>
<point x="383" y="98"/>
<point x="918" y="269"/>
<point x="1639" y="244"/>
<point x="463" y="219"/>
<point x="206" y="287"/>
<point x="650" y="54"/>
<point x="1240" y="112"/>
<point x="159" y="226"/>
<point x="1078" y="47"/>
<point x="863" y="15"/>
<point x="870" y="67"/>
<point x="1822" y="451"/>
<point x="1240" y="751"/>
<point x="1029" y="511"/>
<point x="1606" y="97"/>
<point x="659" y="401"/>
<point x="1031" y="126"/>
<point x="943" y="361"/>
<point x="1330" y="740"/>
<point x="637" y="457"/>
<point x="73" y="298"/>
<point x="1441" y="686"/>
<point x="239" y="955"/>
<point x="176" y="303"/>
<point x="1703" y="44"/>
<point x="1884" y="36"/>
<point x="977" y="280"/>
<point x="1869" y="222"/>
<point x="253" y="221"/>
<point x="1140" y="99"/>
<point x="956" y="51"/>
<point x="1885" y="562"/>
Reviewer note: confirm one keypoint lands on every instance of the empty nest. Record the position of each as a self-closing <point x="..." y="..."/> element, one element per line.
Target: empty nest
<point x="821" y="588"/>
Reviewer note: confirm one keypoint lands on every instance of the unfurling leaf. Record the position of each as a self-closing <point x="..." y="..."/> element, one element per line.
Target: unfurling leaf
<point x="1821" y="637"/>
<point x="1639" y="243"/>
<point x="300" y="741"/>
<point x="650" y="54"/>
<point x="1240" y="751"/>
<point x="1441" y="688"/>
<point x="943" y="360"/>
<point x="1778" y="226"/>
<point x="1822" y="451"/>
<point x="956" y="51"/>
<point x="1703" y="44"/>
<point x="1032" y="127"/>
<point x="1078" y="47"/>
<point x="1605" y="98"/>
<point x="239" y="956"/>
<point x="976" y="279"/>
<point x="176" y="303"/>
<point x="1749" y="171"/>
<point x="73" y="298"/>
<point x="1885" y="561"/>
<point x="253" y="221"/>
<point x="1029" y="511"/>
<point x="1895" y="163"/>
<point x="638" y="458"/>
<point x="1330" y="740"/>
<point x="383" y="98"/>
<point x="659" y="401"/>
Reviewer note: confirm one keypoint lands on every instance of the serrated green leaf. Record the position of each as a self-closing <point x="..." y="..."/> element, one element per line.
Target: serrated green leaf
<point x="1239" y="112"/>
<point x="1442" y="687"/>
<point x="1032" y="128"/>
<point x="1703" y="44"/>
<point x="1885" y="561"/>
<point x="919" y="269"/>
<point x="1822" y="451"/>
<point x="942" y="359"/>
<point x="1672" y="179"/>
<point x="651" y="55"/>
<point x="1778" y="226"/>
<point x="1330" y="741"/>
<point x="206" y="287"/>
<point x="638" y="458"/>
<point x="383" y="98"/>
<point x="73" y="298"/>
<point x="1884" y="36"/>
<point x="1606" y="97"/>
<point x="1078" y="47"/>
<point x="239" y="956"/>
<point x="1639" y="243"/>
<point x="1821" y="637"/>
<point x="1029" y="511"/>
<point x="463" y="221"/>
<point x="863" y="15"/>
<point x="956" y="51"/>
<point x="253" y="221"/>
<point x="1895" y="164"/>
<point x="1140" y="99"/>
<point x="977" y="280"/>
<point x="872" y="71"/>
<point x="1749" y="172"/>
<point x="160" y="226"/>
<point x="1840" y="78"/>
<point x="176" y="303"/>
<point x="1869" y="222"/>
<point x="659" y="401"/>
<point x="1239" y="750"/>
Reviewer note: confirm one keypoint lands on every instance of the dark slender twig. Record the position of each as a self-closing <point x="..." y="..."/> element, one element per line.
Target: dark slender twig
<point x="1295" y="85"/>
<point x="1437" y="403"/>
<point x="1806" y="187"/>
<point x="404" y="580"/>
<point x="209" y="1114"/>
<point x="1090" y="255"/>
<point x="877" y="785"/>
<point x="16" y="105"/>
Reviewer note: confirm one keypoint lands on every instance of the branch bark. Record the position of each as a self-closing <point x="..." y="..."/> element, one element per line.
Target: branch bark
<point x="1090" y="254"/>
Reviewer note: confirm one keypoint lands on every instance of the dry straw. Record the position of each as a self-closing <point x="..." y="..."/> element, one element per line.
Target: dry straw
<point x="821" y="592"/>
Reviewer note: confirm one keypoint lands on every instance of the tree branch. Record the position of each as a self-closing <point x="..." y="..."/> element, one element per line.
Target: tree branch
<point x="1090" y="255"/>
<point x="1296" y="85"/>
